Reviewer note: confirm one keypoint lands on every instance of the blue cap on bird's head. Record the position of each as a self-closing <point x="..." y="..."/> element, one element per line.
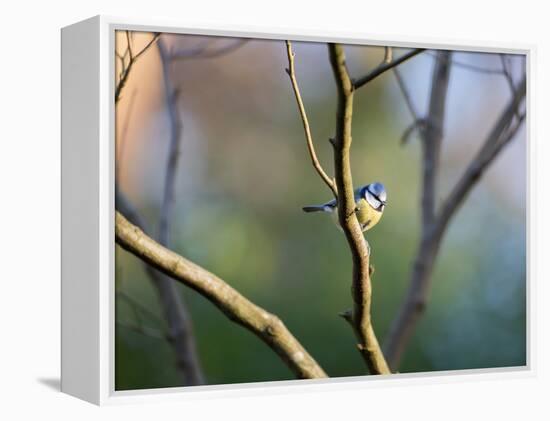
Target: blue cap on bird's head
<point x="378" y="191"/>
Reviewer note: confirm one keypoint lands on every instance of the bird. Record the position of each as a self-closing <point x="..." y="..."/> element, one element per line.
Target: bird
<point x="370" y="202"/>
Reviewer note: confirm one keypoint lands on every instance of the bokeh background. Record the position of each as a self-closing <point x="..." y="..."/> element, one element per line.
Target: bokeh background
<point x="244" y="174"/>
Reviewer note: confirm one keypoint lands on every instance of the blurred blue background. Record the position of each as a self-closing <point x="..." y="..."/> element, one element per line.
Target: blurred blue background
<point x="244" y="174"/>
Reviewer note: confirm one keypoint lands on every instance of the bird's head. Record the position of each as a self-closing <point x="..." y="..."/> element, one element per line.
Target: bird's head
<point x="375" y="195"/>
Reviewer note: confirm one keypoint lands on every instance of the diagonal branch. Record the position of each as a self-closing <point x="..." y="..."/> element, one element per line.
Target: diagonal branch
<point x="236" y="307"/>
<point x="175" y="312"/>
<point x="361" y="284"/>
<point x="406" y="94"/>
<point x="384" y="67"/>
<point x="501" y="134"/>
<point x="309" y="140"/>
<point x="418" y="123"/>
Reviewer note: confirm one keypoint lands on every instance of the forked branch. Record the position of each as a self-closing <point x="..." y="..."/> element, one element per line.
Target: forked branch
<point x="385" y="66"/>
<point x="127" y="61"/>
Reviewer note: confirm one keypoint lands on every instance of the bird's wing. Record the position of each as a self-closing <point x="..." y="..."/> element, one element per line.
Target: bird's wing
<point x="357" y="193"/>
<point x="330" y="204"/>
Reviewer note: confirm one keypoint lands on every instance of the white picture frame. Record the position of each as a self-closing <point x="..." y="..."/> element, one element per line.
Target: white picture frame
<point x="88" y="214"/>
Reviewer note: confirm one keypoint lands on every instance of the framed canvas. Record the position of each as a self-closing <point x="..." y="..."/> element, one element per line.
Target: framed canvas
<point x="244" y="211"/>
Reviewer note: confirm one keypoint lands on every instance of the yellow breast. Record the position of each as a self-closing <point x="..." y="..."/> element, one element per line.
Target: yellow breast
<point x="367" y="216"/>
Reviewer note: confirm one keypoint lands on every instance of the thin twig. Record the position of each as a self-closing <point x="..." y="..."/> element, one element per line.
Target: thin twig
<point x="467" y="66"/>
<point x="148" y="45"/>
<point x="236" y="307"/>
<point x="384" y="67"/>
<point x="418" y="121"/>
<point x="309" y="140"/>
<point x="406" y="94"/>
<point x="361" y="283"/>
<point x="143" y="330"/>
<point x="125" y="70"/>
<point x="388" y="55"/>
<point x="137" y="307"/>
<point x="507" y="74"/>
<point x="509" y="79"/>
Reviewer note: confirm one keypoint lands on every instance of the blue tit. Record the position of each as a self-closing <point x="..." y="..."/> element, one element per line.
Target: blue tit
<point x="370" y="201"/>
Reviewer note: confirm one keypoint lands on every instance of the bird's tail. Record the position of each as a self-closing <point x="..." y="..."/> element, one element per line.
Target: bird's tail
<point x="314" y="208"/>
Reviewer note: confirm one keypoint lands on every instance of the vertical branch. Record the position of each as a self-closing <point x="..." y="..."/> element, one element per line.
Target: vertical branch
<point x="170" y="95"/>
<point x="388" y="55"/>
<point x="361" y="283"/>
<point x="175" y="310"/>
<point x="419" y="282"/>
<point x="119" y="152"/>
<point x="432" y="136"/>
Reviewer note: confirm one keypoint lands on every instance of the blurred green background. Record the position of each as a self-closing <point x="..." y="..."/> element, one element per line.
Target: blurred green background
<point x="243" y="176"/>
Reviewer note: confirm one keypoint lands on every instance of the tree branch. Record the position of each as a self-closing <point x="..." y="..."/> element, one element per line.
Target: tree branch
<point x="406" y="95"/>
<point x="309" y="140"/>
<point x="119" y="152"/>
<point x="419" y="282"/>
<point x="470" y="67"/>
<point x="434" y="227"/>
<point x="388" y="55"/>
<point x="384" y="67"/>
<point x="361" y="285"/>
<point x="126" y="68"/>
<point x="433" y="135"/>
<point x="418" y="123"/>
<point x="170" y="95"/>
<point x="237" y="308"/>
<point x="175" y="312"/>
<point x="500" y="136"/>
<point x="143" y="330"/>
